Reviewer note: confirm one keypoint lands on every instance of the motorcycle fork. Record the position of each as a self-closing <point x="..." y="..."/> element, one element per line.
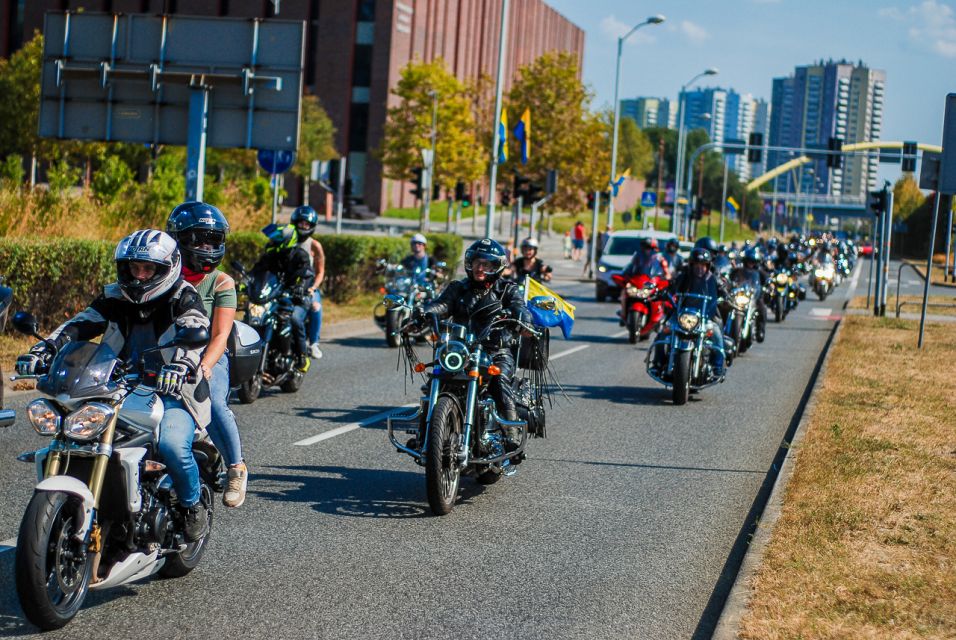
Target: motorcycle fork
<point x="471" y="399"/>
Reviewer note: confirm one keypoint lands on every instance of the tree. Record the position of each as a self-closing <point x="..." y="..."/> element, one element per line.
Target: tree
<point x="316" y="136"/>
<point x="565" y="134"/>
<point x="20" y="99"/>
<point x="907" y="197"/>
<point x="458" y="155"/>
<point x="634" y="150"/>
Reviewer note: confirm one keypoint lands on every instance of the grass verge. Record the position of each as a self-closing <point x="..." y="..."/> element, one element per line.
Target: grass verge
<point x="438" y="212"/>
<point x="938" y="305"/>
<point x="865" y="546"/>
<point x="732" y="231"/>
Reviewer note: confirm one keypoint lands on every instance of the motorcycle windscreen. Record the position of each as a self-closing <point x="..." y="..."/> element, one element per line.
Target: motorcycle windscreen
<point x="263" y="287"/>
<point x="79" y="370"/>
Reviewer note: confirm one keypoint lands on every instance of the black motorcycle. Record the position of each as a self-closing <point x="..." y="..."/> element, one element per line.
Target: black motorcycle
<point x="416" y="289"/>
<point x="268" y="309"/>
<point x="457" y="430"/>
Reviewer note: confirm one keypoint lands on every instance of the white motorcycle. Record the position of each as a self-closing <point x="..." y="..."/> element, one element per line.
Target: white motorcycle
<point x="105" y="511"/>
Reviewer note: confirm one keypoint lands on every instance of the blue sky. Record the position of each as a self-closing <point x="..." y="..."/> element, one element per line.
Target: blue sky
<point x="753" y="41"/>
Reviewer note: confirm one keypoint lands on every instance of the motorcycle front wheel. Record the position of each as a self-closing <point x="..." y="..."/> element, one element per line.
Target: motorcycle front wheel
<point x="442" y="473"/>
<point x="53" y="570"/>
<point x="778" y="309"/>
<point x="681" y="377"/>
<point x="635" y="321"/>
<point x="179" y="564"/>
<point x="822" y="293"/>
<point x="249" y="390"/>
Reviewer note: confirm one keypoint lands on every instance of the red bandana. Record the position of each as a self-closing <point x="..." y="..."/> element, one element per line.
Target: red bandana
<point x="192" y="277"/>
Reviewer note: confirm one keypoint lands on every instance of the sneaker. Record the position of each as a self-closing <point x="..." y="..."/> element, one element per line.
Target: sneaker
<point x="314" y="350"/>
<point x="197" y="522"/>
<point x="236" y="480"/>
<point x="302" y="363"/>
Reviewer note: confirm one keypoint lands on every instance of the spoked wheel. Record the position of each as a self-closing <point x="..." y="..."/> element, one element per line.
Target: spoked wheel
<point x="681" y="377"/>
<point x="179" y="564"/>
<point x="250" y="389"/>
<point x="442" y="473"/>
<point x="635" y="321"/>
<point x="53" y="570"/>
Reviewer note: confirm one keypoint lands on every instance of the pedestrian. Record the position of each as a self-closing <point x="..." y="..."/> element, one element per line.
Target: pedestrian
<point x="578" y="236"/>
<point x="567" y="245"/>
<point x="603" y="240"/>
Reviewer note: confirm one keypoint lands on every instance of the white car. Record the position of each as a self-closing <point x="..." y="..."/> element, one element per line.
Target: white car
<point x="621" y="246"/>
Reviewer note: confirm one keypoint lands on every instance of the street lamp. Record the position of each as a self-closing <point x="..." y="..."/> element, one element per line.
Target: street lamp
<point x="617" y="106"/>
<point x="679" y="169"/>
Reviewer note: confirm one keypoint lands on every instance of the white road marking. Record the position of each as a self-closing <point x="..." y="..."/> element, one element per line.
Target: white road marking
<point x="855" y="280"/>
<point x="619" y="334"/>
<point x="8" y="545"/>
<point x="569" y="351"/>
<point x="325" y="435"/>
<point x="821" y="311"/>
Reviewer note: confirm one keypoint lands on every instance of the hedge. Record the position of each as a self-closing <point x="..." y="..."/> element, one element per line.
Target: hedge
<point x="56" y="278"/>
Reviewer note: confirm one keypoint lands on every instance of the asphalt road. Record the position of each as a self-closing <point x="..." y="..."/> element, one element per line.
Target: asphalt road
<point x="619" y="525"/>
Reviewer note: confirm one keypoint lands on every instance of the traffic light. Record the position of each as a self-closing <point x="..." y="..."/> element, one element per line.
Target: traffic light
<point x="876" y="202"/>
<point x="436" y="191"/>
<point x="754" y="150"/>
<point x="835" y="160"/>
<point x="520" y="185"/>
<point x="534" y="191"/>
<point x="459" y="191"/>
<point x="698" y="209"/>
<point x="417" y="180"/>
<point x="637" y="212"/>
<point x="505" y="198"/>
<point x="605" y="198"/>
<point x="551" y="182"/>
<point x="909" y="157"/>
<point x="590" y="201"/>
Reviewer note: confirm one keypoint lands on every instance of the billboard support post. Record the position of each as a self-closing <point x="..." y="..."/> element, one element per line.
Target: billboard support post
<point x="196" y="142"/>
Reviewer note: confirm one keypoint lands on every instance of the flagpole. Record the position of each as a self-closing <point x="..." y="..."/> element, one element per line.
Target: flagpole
<point x="493" y="181"/>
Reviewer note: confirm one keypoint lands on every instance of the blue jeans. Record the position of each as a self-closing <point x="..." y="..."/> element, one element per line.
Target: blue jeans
<point x="299" y="344"/>
<point x="315" y="317"/>
<point x="176" y="432"/>
<point x="222" y="427"/>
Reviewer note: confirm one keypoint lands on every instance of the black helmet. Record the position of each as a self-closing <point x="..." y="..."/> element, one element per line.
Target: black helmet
<point x="486" y="249"/>
<point x="672" y="244"/>
<point x="699" y="255"/>
<point x="147" y="245"/>
<point x="706" y="243"/>
<point x="305" y="213"/>
<point x="750" y="255"/>
<point x="200" y="230"/>
<point x="722" y="248"/>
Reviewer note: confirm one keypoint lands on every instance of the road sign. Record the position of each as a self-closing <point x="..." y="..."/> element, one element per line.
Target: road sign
<point x="947" y="164"/>
<point x="275" y="161"/>
<point x="648" y="199"/>
<point x="929" y="171"/>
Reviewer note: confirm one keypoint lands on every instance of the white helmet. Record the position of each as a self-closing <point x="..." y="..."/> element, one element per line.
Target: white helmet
<point x="147" y="245"/>
<point x="420" y="238"/>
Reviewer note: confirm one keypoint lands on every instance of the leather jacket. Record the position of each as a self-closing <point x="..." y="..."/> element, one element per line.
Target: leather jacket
<point x="466" y="303"/>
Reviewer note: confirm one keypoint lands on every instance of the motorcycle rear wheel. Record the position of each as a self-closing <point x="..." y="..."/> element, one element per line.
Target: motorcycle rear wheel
<point x="179" y="564"/>
<point x="442" y="474"/>
<point x="635" y="321"/>
<point x="249" y="390"/>
<point x="681" y="377"/>
<point x="46" y="561"/>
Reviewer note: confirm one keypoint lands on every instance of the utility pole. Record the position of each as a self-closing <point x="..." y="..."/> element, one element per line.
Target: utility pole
<point x="496" y="138"/>
<point x="430" y="165"/>
<point x="723" y="203"/>
<point x="660" y="178"/>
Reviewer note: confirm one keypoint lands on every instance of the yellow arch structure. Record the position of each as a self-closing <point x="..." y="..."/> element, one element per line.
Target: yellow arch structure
<point x="759" y="181"/>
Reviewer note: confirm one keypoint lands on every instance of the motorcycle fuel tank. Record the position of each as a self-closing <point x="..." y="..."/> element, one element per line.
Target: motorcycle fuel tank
<point x="142" y="409"/>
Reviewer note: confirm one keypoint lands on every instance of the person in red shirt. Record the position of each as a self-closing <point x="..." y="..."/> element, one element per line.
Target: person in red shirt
<point x="578" y="236"/>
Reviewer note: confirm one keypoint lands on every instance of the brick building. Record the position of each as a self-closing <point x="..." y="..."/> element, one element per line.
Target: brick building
<point x="355" y="50"/>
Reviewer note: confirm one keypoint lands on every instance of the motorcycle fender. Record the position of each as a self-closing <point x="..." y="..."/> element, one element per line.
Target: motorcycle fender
<point x="639" y="307"/>
<point x="684" y="344"/>
<point x="68" y="484"/>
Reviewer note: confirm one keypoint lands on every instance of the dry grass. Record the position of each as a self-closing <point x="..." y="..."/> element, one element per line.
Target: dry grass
<point x="866" y="544"/>
<point x="937" y="304"/>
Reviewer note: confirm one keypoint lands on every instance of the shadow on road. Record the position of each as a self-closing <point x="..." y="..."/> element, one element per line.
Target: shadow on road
<point x="363" y="342"/>
<point x="651" y="396"/>
<point x="350" y="491"/>
<point x="649" y="466"/>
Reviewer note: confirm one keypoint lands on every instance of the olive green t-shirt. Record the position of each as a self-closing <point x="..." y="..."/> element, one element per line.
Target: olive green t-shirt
<point x="211" y="298"/>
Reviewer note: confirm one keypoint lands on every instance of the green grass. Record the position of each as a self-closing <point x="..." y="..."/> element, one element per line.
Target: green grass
<point x="732" y="231"/>
<point x="438" y="212"/>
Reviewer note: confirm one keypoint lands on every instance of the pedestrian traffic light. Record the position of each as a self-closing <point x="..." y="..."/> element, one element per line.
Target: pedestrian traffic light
<point x="835" y="160"/>
<point x="876" y="202"/>
<point x="505" y="198"/>
<point x="909" y="157"/>
<point x="520" y="185"/>
<point x="754" y="150"/>
<point x="417" y="178"/>
<point x="590" y="200"/>
<point x="535" y="191"/>
<point x="436" y="191"/>
<point x="638" y="211"/>
<point x="459" y="191"/>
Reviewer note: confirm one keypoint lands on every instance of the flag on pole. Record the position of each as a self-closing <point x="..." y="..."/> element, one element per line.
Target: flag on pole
<point x="523" y="135"/>
<point x="732" y="205"/>
<point x="503" y="137"/>
<point x="561" y="316"/>
<point x="616" y="184"/>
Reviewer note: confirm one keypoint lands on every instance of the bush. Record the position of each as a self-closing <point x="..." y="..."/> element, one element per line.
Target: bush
<point x="61" y="177"/>
<point x="446" y="246"/>
<point x="11" y="170"/>
<point x="112" y="179"/>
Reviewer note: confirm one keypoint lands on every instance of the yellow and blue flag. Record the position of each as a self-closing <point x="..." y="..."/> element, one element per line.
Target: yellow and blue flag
<point x="561" y="316"/>
<point x="503" y="137"/>
<point x="616" y="184"/>
<point x="523" y="135"/>
<point x="732" y="205"/>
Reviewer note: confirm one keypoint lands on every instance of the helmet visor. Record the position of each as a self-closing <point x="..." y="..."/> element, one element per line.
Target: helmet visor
<point x="202" y="238"/>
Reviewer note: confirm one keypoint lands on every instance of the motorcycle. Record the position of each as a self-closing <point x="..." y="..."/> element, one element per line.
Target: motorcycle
<point x="742" y="320"/>
<point x="417" y="288"/>
<point x="781" y="294"/>
<point x="104" y="512"/>
<point x="7" y="416"/>
<point x="823" y="280"/>
<point x="645" y="311"/>
<point x="456" y="429"/>
<point x="685" y="348"/>
<point x="268" y="310"/>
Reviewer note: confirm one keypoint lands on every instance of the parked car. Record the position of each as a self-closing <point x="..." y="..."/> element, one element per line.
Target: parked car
<point x="621" y="245"/>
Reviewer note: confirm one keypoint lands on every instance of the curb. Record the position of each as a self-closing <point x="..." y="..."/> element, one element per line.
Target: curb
<point x="737" y="603"/>
<point x="921" y="270"/>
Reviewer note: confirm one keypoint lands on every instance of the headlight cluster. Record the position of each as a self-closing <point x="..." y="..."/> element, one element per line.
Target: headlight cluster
<point x="781" y="278"/>
<point x="632" y="291"/>
<point x="256" y="313"/>
<point x="824" y="274"/>
<point x="453" y="356"/>
<point x="688" y="321"/>
<point x="84" y="424"/>
<point x="742" y="299"/>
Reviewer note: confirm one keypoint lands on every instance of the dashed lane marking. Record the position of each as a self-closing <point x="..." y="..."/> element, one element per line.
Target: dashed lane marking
<point x="325" y="435"/>
<point x="821" y="311"/>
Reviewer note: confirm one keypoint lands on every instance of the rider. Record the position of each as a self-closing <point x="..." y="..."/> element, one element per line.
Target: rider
<point x="647" y="260"/>
<point x="291" y="263"/>
<point x="674" y="259"/>
<point x="305" y="218"/>
<point x="699" y="278"/>
<point x="751" y="271"/>
<point x="472" y="301"/>
<point x="200" y="229"/>
<point x="530" y="264"/>
<point x="140" y="311"/>
<point x="418" y="261"/>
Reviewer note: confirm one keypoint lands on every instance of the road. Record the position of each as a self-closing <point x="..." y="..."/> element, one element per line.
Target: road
<point x="626" y="522"/>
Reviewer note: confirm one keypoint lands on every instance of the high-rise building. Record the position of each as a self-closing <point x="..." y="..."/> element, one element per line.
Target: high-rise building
<point x="354" y="54"/>
<point x="649" y="112"/>
<point x="822" y="101"/>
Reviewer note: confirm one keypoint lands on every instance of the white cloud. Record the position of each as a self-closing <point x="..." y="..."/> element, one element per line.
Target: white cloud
<point x="614" y="28"/>
<point x="693" y="32"/>
<point x="930" y="24"/>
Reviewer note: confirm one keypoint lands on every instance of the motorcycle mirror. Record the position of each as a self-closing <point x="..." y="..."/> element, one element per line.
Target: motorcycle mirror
<point x="392" y="301"/>
<point x="545" y="303"/>
<point x="441" y="265"/>
<point x="26" y="322"/>
<point x="191" y="337"/>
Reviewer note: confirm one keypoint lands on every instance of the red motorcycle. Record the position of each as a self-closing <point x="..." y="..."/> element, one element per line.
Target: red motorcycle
<point x="644" y="308"/>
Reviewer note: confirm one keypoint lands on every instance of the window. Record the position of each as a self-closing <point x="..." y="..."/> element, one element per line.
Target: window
<point x="358" y="127"/>
<point x="362" y="66"/>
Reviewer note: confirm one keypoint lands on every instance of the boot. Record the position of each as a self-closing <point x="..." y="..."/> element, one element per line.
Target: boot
<point x="197" y="522"/>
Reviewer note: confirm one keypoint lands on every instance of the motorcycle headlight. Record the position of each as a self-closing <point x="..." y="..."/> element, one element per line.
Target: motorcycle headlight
<point x="742" y="299"/>
<point x="688" y="321"/>
<point x="453" y="357"/>
<point x="823" y="274"/>
<point x="256" y="312"/>
<point x="44" y="417"/>
<point x="781" y="278"/>
<point x="88" y="422"/>
<point x="632" y="291"/>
